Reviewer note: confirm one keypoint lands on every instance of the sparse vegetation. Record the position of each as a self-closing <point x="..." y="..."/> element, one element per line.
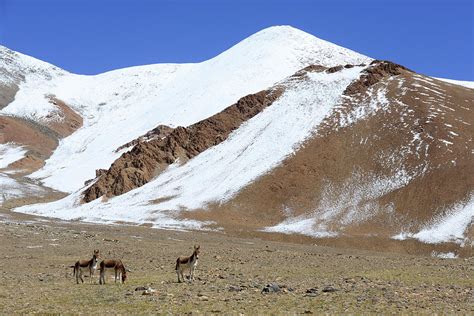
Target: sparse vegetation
<point x="229" y="278"/>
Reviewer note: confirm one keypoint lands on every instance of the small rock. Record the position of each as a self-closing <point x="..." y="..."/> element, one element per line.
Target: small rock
<point x="233" y="288"/>
<point x="149" y="291"/>
<point x="141" y="288"/>
<point x="271" y="288"/>
<point x="329" y="289"/>
<point x="204" y="298"/>
<point x="312" y="290"/>
<point x="110" y="240"/>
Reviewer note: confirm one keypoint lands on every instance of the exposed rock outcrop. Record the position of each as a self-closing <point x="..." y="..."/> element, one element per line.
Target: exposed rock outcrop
<point x="66" y="121"/>
<point x="377" y="70"/>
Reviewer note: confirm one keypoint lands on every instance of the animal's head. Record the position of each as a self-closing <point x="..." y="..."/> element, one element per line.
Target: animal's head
<point x="96" y="253"/>
<point x="197" y="249"/>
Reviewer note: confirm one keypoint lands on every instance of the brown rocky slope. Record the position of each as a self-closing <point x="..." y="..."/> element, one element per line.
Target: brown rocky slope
<point x="395" y="169"/>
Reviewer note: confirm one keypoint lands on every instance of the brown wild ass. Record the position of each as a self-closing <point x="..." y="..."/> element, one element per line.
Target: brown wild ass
<point x="117" y="266"/>
<point x="86" y="265"/>
<point x="187" y="263"/>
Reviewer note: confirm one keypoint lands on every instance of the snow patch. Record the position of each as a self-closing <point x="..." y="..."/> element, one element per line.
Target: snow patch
<point x="11" y="188"/>
<point x="444" y="255"/>
<point x="352" y="202"/>
<point x="447" y="228"/>
<point x="373" y="102"/>
<point x="9" y="153"/>
<point x="303" y="226"/>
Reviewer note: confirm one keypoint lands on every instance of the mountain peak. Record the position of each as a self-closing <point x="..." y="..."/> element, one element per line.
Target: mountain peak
<point x="289" y="46"/>
<point x="283" y="31"/>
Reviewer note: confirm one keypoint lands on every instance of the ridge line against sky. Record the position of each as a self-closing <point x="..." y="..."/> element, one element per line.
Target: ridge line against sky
<point x="90" y="37"/>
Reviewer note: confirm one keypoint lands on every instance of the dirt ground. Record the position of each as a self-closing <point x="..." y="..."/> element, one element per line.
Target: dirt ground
<point x="232" y="272"/>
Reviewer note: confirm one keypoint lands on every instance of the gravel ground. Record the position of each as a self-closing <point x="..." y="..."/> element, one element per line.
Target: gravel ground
<point x="234" y="275"/>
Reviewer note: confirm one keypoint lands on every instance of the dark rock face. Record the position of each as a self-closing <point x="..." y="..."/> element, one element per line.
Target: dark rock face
<point x="377" y="70"/>
<point x="334" y="69"/>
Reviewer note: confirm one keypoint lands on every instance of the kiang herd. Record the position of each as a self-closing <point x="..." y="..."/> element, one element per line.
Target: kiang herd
<point x="89" y="267"/>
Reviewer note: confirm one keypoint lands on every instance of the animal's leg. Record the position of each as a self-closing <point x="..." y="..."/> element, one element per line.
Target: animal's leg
<point x="77" y="275"/>
<point x="191" y="274"/>
<point x="179" y="279"/>
<point x="115" y="276"/>
<point x="80" y="275"/>
<point x="102" y="277"/>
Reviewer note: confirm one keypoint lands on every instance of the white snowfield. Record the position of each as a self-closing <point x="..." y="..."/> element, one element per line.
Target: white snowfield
<point x="450" y="227"/>
<point x="120" y="105"/>
<point x="218" y="173"/>
<point x="467" y="84"/>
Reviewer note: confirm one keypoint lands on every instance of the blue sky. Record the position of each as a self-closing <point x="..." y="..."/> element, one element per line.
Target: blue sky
<point x="91" y="36"/>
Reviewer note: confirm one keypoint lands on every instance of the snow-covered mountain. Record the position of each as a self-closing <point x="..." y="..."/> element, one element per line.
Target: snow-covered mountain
<point x="120" y="105"/>
<point x="283" y="132"/>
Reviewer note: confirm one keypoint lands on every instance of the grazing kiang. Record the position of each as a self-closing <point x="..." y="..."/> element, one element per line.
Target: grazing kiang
<point x="187" y="263"/>
<point x="86" y="266"/>
<point x="117" y="266"/>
